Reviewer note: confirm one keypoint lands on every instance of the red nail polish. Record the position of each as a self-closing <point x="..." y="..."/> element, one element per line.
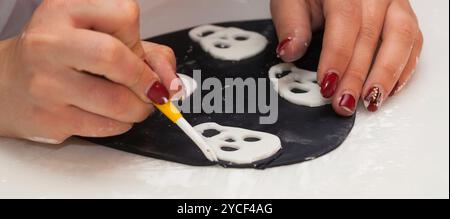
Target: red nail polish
<point x="394" y="91"/>
<point x="283" y="44"/>
<point x="373" y="99"/>
<point x="158" y="94"/>
<point x="348" y="102"/>
<point x="329" y="84"/>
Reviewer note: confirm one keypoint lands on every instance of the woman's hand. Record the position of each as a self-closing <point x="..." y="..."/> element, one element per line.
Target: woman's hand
<point x="370" y="48"/>
<point x="78" y="69"/>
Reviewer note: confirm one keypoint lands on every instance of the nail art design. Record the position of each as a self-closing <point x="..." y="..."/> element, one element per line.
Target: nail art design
<point x="282" y="46"/>
<point x="329" y="84"/>
<point x="158" y="94"/>
<point x="348" y="103"/>
<point x="374" y="99"/>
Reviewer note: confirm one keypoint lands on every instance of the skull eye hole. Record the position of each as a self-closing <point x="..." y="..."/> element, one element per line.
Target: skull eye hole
<point x="283" y="74"/>
<point x="241" y="38"/>
<point x="209" y="133"/>
<point x="230" y="140"/>
<point x="252" y="139"/>
<point x="222" y="45"/>
<point x="228" y="149"/>
<point x="206" y="33"/>
<point x="298" y="91"/>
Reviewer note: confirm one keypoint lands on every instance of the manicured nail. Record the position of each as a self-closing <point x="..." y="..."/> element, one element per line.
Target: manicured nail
<point x="373" y="99"/>
<point x="158" y="94"/>
<point x="348" y="103"/>
<point x="179" y="82"/>
<point x="178" y="88"/>
<point x="395" y="90"/>
<point x="282" y="46"/>
<point x="329" y="84"/>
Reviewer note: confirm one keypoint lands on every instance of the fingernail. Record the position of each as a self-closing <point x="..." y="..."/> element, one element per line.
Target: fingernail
<point x="373" y="99"/>
<point x="179" y="82"/>
<point x="182" y="88"/>
<point x="395" y="90"/>
<point x="282" y="46"/>
<point x="158" y="94"/>
<point x="348" y="103"/>
<point x="178" y="89"/>
<point x="329" y="84"/>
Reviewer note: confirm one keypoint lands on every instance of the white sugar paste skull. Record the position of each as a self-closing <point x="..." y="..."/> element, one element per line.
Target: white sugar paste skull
<point x="229" y="44"/>
<point x="296" y="85"/>
<point x="237" y="145"/>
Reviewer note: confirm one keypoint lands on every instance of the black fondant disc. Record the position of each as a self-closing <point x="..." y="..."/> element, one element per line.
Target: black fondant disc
<point x="306" y="133"/>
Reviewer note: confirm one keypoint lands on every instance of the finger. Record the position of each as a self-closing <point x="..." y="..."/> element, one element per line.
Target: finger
<point x="410" y="67"/>
<point x="86" y="124"/>
<point x="104" y="55"/>
<point x="119" y="18"/>
<point x="292" y="19"/>
<point x="399" y="35"/>
<point x="343" y="21"/>
<point x="55" y="126"/>
<point x="351" y="85"/>
<point x="102" y="97"/>
<point x="162" y="61"/>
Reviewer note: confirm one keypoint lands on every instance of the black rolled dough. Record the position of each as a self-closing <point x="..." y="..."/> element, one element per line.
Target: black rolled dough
<point x="306" y="133"/>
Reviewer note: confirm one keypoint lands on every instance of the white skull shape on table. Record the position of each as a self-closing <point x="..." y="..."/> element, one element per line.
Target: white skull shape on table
<point x="229" y="44"/>
<point x="296" y="85"/>
<point x="237" y="145"/>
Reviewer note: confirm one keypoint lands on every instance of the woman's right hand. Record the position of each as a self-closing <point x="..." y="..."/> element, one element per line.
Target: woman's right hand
<point x="78" y="69"/>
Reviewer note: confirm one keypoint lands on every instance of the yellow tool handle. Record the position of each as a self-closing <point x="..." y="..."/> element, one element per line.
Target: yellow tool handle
<point x="170" y="111"/>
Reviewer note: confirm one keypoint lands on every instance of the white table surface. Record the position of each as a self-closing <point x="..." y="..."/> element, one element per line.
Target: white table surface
<point x="402" y="151"/>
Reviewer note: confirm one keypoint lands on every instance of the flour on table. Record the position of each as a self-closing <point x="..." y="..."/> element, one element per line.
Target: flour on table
<point x="229" y="44"/>
<point x="237" y="145"/>
<point x="296" y="85"/>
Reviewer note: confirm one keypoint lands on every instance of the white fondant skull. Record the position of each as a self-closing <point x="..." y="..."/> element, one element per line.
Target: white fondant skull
<point x="230" y="44"/>
<point x="296" y="85"/>
<point x="237" y="145"/>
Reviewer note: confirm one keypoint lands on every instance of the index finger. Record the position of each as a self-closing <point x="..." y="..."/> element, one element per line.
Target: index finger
<point x="104" y="55"/>
<point x="119" y="18"/>
<point x="292" y="19"/>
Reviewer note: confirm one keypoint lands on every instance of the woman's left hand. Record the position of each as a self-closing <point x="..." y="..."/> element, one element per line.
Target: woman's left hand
<point x="353" y="63"/>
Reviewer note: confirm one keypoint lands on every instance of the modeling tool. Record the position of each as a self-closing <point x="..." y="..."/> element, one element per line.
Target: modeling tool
<point x="176" y="117"/>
